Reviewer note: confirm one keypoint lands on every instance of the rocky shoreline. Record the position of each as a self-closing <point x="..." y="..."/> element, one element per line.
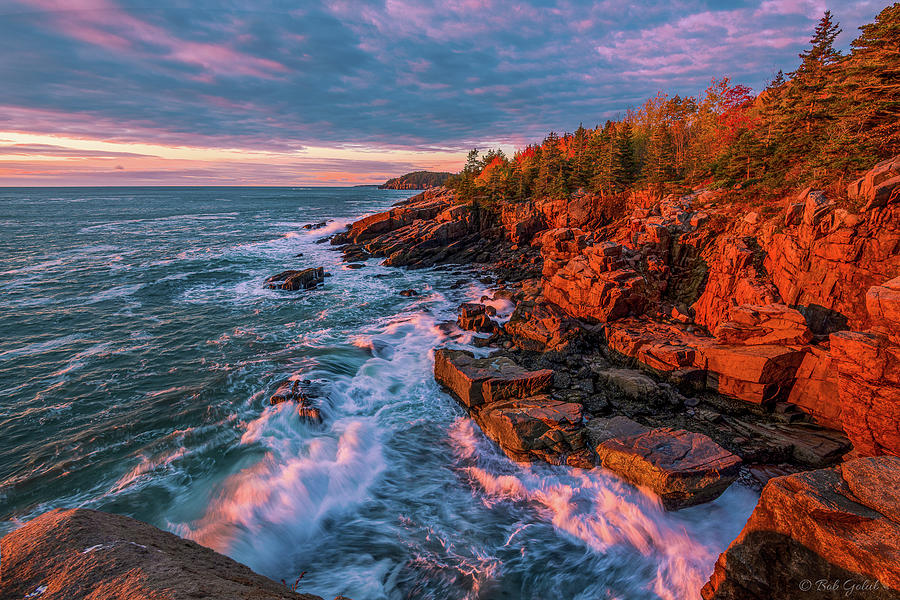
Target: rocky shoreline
<point x="687" y="344"/>
<point x="681" y="343"/>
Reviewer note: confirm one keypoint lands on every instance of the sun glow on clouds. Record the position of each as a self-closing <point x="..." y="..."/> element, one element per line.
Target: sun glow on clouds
<point x="44" y="158"/>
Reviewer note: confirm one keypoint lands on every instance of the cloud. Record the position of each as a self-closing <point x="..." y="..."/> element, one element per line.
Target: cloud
<point x="444" y="76"/>
<point x="49" y="150"/>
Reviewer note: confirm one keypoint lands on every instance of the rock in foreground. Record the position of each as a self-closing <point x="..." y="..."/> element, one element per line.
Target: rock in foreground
<point x="683" y="468"/>
<point x="816" y="528"/>
<point x="85" y="554"/>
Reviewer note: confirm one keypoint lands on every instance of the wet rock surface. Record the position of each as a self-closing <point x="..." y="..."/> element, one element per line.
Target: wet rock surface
<point x="80" y="553"/>
<point x="293" y="280"/>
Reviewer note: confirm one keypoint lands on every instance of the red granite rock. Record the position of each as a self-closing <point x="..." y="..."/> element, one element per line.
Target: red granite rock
<point x="877" y="185"/>
<point x="475" y="381"/>
<point x="883" y="304"/>
<point x="540" y="326"/>
<point x="868" y="366"/>
<point x="815" y="390"/>
<point x="533" y="428"/>
<point x="683" y="468"/>
<point x="473" y="317"/>
<point x="753" y="325"/>
<point x="832" y="525"/>
<point x="734" y="278"/>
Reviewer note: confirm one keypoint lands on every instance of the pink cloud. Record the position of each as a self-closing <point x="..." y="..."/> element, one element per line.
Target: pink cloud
<point x="104" y="24"/>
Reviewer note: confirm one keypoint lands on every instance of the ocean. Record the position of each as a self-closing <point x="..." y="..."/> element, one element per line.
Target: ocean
<point x="138" y="350"/>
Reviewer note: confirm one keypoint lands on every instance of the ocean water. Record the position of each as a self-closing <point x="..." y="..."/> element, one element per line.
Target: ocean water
<point x="138" y="349"/>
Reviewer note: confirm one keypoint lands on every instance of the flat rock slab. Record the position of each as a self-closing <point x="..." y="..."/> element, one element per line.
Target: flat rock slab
<point x="475" y="381"/>
<point x="756" y="364"/>
<point x="683" y="468"/>
<point x="753" y="325"/>
<point x="600" y="429"/>
<point x="84" y="553"/>
<point x="840" y="524"/>
<point x="806" y="444"/>
<point x="533" y="428"/>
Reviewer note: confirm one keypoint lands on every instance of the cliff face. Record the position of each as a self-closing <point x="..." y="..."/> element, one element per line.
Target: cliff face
<point x="800" y="308"/>
<point x="86" y="554"/>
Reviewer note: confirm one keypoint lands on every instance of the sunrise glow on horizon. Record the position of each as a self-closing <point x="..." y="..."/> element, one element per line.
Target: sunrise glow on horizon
<point x="106" y="92"/>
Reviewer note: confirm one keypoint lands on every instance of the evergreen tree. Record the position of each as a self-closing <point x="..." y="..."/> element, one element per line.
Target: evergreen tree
<point x="873" y="84"/>
<point x="551" y="180"/>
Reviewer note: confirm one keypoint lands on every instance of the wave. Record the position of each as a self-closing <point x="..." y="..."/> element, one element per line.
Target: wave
<point x="608" y="515"/>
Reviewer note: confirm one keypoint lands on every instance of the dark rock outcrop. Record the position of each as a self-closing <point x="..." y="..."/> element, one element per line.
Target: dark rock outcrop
<point x="86" y="554"/>
<point x="474" y="317"/>
<point x="294" y="280"/>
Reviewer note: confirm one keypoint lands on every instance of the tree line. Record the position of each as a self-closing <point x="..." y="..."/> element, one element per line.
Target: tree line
<point x="835" y="115"/>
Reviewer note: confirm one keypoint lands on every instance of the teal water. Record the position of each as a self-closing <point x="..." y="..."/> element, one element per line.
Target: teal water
<point x="138" y="349"/>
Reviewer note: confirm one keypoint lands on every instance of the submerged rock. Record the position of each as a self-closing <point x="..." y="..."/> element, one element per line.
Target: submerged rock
<point x="294" y="280"/>
<point x="683" y="468"/>
<point x="80" y="553"/>
<point x="812" y="529"/>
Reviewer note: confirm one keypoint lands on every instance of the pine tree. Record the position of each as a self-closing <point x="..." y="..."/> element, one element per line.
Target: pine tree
<point x="873" y="83"/>
<point x="551" y="179"/>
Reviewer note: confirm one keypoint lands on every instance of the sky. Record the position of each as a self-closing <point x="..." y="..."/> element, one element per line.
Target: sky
<point x="250" y="92"/>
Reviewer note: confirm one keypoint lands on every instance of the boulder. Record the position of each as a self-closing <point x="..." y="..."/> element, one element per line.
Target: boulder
<point x="533" y="428"/>
<point x="408" y="293"/>
<point x="289" y="392"/>
<point x="475" y="381"/>
<point x="683" y="468"/>
<point x="81" y="553"/>
<point x="540" y="326"/>
<point x="296" y="280"/>
<point x="877" y="186"/>
<point x="753" y="325"/>
<point x="474" y="317"/>
<point x="757" y="374"/>
<point x="830" y="533"/>
<point x="633" y="384"/>
<point x="309" y="413"/>
<point x="658" y="345"/>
